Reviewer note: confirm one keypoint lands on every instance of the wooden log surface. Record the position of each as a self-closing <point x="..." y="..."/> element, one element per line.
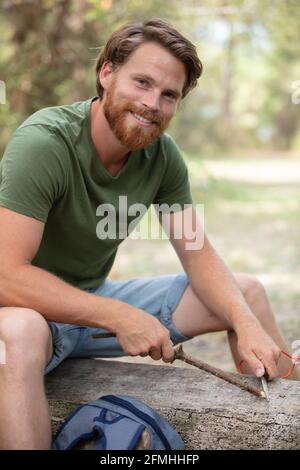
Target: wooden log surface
<point x="208" y="412"/>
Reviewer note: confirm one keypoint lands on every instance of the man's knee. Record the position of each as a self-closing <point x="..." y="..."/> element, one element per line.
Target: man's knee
<point x="256" y="297"/>
<point x="253" y="289"/>
<point x="25" y="334"/>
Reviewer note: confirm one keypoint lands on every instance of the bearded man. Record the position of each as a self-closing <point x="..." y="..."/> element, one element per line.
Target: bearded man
<point x="62" y="168"/>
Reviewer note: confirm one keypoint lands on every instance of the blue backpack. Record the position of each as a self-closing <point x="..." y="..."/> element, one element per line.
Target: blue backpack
<point x="116" y="422"/>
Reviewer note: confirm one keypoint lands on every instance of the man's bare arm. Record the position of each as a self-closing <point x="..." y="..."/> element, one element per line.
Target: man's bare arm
<point x="215" y="286"/>
<point x="25" y="285"/>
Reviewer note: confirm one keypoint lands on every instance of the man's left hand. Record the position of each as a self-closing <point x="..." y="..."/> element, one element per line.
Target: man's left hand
<point x="258" y="349"/>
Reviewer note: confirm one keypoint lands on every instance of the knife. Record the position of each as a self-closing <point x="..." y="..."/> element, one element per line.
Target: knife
<point x="265" y="387"/>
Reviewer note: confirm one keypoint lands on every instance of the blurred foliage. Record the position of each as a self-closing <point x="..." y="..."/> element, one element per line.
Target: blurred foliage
<point x="250" y="52"/>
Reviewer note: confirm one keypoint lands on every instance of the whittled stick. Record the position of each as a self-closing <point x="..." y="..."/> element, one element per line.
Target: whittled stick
<point x="231" y="378"/>
<point x="180" y="355"/>
<point x="103" y="335"/>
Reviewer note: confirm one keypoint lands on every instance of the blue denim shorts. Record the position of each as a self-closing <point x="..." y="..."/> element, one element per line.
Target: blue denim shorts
<point x="158" y="296"/>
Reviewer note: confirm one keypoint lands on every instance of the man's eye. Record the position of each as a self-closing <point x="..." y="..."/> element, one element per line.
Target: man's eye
<point x="170" y="96"/>
<point x="141" y="81"/>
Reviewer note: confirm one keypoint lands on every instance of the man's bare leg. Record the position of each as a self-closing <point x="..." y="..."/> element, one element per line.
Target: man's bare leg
<point x="258" y="301"/>
<point x="25" y="422"/>
<point x="193" y="318"/>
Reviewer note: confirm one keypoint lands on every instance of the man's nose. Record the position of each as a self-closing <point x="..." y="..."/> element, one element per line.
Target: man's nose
<point x="151" y="101"/>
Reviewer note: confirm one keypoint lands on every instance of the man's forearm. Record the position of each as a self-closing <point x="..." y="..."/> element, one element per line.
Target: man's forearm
<point x="214" y="284"/>
<point x="32" y="287"/>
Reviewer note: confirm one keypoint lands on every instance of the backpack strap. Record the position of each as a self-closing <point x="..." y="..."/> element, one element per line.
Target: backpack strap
<point x="104" y="429"/>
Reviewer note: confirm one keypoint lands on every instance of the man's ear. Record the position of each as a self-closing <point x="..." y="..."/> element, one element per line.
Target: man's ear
<point x="106" y="74"/>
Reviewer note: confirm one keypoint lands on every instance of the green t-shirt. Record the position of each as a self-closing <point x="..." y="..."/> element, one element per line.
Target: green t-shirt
<point x="51" y="171"/>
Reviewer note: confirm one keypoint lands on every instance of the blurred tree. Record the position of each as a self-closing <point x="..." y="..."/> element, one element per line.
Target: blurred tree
<point x="249" y="49"/>
<point x="51" y="46"/>
<point x="281" y="20"/>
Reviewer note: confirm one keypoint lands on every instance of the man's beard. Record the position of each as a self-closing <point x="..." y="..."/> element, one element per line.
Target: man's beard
<point x="132" y="136"/>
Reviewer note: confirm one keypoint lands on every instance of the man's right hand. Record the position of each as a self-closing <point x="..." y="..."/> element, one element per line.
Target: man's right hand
<point x="141" y="334"/>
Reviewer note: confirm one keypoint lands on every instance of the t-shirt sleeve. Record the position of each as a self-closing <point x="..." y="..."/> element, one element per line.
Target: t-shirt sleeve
<point x="174" y="189"/>
<point x="33" y="171"/>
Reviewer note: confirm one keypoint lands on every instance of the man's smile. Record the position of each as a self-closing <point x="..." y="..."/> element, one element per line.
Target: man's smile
<point x="141" y="120"/>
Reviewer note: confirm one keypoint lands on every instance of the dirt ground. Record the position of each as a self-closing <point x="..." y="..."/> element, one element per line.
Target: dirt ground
<point x="252" y="217"/>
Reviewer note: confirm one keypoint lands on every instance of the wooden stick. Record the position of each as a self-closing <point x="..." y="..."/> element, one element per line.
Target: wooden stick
<point x="231" y="378"/>
<point x="103" y="335"/>
<point x="180" y="355"/>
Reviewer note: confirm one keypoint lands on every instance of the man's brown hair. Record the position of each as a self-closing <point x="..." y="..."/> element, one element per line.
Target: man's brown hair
<point x="123" y="42"/>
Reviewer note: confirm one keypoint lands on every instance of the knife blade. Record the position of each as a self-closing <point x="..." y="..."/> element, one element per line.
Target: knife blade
<point x="265" y="388"/>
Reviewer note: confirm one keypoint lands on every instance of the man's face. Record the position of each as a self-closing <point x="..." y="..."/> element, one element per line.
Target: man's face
<point x="142" y="96"/>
